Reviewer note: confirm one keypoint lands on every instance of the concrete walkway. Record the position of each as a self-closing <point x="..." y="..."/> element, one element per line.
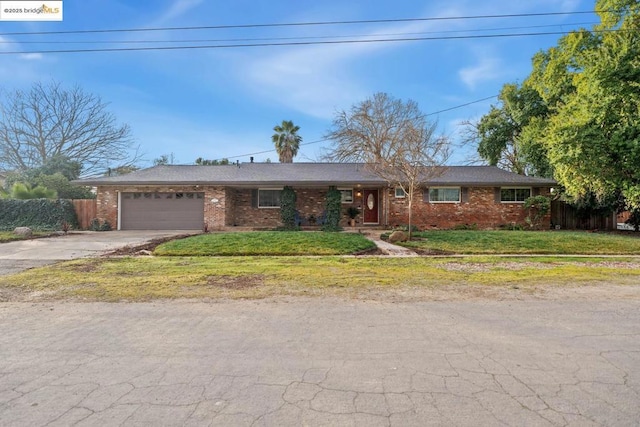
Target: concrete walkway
<point x="388" y="248"/>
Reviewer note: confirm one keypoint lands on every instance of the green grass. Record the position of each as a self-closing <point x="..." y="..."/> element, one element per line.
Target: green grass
<point x="10" y="236"/>
<point x="525" y="242"/>
<point x="272" y="243"/>
<point x="148" y="278"/>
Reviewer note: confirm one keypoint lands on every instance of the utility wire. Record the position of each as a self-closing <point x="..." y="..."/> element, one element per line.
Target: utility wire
<point x="290" y="38"/>
<point x="325" y="139"/>
<point x="302" y="24"/>
<point x="302" y="43"/>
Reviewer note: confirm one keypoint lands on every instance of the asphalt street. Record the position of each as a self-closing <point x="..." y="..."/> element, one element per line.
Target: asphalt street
<point x="321" y="362"/>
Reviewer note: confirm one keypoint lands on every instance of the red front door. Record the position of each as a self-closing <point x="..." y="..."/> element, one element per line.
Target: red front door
<point x="370" y="206"/>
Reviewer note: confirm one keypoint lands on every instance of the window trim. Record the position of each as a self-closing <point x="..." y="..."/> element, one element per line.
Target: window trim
<point x="342" y="200"/>
<point x="395" y="193"/>
<point x="268" y="189"/>
<point x="444" y="188"/>
<point x="515" y="194"/>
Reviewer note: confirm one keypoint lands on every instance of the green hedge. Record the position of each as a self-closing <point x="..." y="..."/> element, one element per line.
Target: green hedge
<point x="38" y="214"/>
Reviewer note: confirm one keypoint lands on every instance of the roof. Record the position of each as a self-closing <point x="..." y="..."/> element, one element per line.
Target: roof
<point x="304" y="174"/>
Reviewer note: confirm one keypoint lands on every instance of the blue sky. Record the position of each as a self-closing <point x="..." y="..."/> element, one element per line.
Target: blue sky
<point x="216" y="103"/>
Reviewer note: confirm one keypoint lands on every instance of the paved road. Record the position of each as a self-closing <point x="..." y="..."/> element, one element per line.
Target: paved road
<point x="20" y="255"/>
<point x="321" y="362"/>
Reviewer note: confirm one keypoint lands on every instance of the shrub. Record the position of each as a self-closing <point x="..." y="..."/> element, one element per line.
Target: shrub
<point x="473" y="227"/>
<point x="332" y="219"/>
<point x="288" y="208"/>
<point x="538" y="207"/>
<point x="514" y="226"/>
<point x="37" y="214"/>
<point x="97" y="225"/>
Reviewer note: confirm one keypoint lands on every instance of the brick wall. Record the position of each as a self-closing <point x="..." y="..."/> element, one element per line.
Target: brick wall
<point x="479" y="208"/>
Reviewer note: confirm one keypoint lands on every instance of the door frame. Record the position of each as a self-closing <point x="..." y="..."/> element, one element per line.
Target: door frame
<point x="376" y="193"/>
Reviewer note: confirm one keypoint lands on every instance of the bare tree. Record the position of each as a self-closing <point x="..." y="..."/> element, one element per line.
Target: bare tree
<point x="49" y="120"/>
<point x="394" y="140"/>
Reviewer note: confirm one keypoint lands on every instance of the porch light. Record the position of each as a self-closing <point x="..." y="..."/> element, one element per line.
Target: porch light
<point x="358" y="193"/>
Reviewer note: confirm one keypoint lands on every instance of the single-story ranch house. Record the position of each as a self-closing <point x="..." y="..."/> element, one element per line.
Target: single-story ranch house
<point x="248" y="195"/>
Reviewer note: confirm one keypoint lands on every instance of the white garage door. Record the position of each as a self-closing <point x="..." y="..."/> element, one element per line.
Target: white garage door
<point x="162" y="211"/>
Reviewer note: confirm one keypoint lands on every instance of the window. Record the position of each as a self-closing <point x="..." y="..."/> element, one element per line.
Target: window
<point x="444" y="195"/>
<point x="346" y="195"/>
<point x="400" y="193"/>
<point x="517" y="195"/>
<point x="269" y="198"/>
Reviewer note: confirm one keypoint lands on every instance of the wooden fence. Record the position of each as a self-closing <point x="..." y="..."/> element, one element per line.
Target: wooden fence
<point x="86" y="210"/>
<point x="565" y="216"/>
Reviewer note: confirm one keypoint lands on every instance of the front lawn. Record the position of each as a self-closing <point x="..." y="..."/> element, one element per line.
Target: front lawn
<point x="524" y="242"/>
<point x="270" y="243"/>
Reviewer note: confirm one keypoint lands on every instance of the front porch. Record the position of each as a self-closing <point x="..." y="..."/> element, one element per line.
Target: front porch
<point x="259" y="208"/>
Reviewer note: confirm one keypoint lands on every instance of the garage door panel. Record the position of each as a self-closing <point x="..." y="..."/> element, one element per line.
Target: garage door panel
<point x="162" y="211"/>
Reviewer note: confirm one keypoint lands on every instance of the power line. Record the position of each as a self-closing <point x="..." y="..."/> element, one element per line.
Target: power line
<point x="301" y="43"/>
<point x="301" y="24"/>
<point x="325" y="139"/>
<point x="289" y="38"/>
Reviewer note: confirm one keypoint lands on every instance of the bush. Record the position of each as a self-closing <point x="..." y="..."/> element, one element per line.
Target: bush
<point x="288" y="209"/>
<point x="97" y="225"/>
<point x="334" y="202"/>
<point x="538" y="207"/>
<point x="37" y="214"/>
<point x="512" y="227"/>
<point x="473" y="227"/>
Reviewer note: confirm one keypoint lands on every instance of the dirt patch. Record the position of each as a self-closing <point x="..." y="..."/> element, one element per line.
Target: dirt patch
<point x="146" y="248"/>
<point x="236" y="282"/>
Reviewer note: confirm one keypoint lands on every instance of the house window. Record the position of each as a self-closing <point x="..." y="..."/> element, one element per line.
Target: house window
<point x="346" y="195"/>
<point x="444" y="195"/>
<point x="514" y="195"/>
<point x="269" y="198"/>
<point x="400" y="193"/>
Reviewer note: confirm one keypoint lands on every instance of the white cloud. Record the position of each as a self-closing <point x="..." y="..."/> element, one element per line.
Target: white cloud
<point x="317" y="79"/>
<point x="31" y="56"/>
<point x="177" y="9"/>
<point x="486" y="69"/>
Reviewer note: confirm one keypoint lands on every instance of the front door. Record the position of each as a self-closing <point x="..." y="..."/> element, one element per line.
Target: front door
<point x="371" y="206"/>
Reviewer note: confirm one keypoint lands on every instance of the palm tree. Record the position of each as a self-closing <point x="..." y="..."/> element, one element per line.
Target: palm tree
<point x="286" y="140"/>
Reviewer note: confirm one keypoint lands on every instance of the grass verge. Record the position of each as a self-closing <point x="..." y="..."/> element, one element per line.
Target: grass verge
<point x="524" y="242"/>
<point x="272" y="243"/>
<point x="149" y="278"/>
<point x="10" y="236"/>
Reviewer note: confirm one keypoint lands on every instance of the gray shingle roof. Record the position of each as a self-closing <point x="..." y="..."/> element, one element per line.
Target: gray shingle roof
<point x="304" y="174"/>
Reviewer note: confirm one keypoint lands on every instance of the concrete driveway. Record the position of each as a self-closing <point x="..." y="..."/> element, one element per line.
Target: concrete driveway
<point x="24" y="254"/>
<point x="328" y="362"/>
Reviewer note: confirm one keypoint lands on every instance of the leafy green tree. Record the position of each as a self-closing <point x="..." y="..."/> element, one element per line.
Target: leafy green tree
<point x="165" y="159"/>
<point x="23" y="191"/>
<point x="55" y="174"/>
<point x="286" y="140"/>
<point x="590" y="83"/>
<point x="63" y="187"/>
<point x="204" y="162"/>
<point x="510" y="135"/>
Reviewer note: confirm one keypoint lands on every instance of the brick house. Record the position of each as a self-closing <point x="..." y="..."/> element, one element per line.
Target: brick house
<point x="248" y="195"/>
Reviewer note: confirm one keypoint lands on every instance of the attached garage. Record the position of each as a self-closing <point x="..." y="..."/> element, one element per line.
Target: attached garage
<point x="162" y="211"/>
